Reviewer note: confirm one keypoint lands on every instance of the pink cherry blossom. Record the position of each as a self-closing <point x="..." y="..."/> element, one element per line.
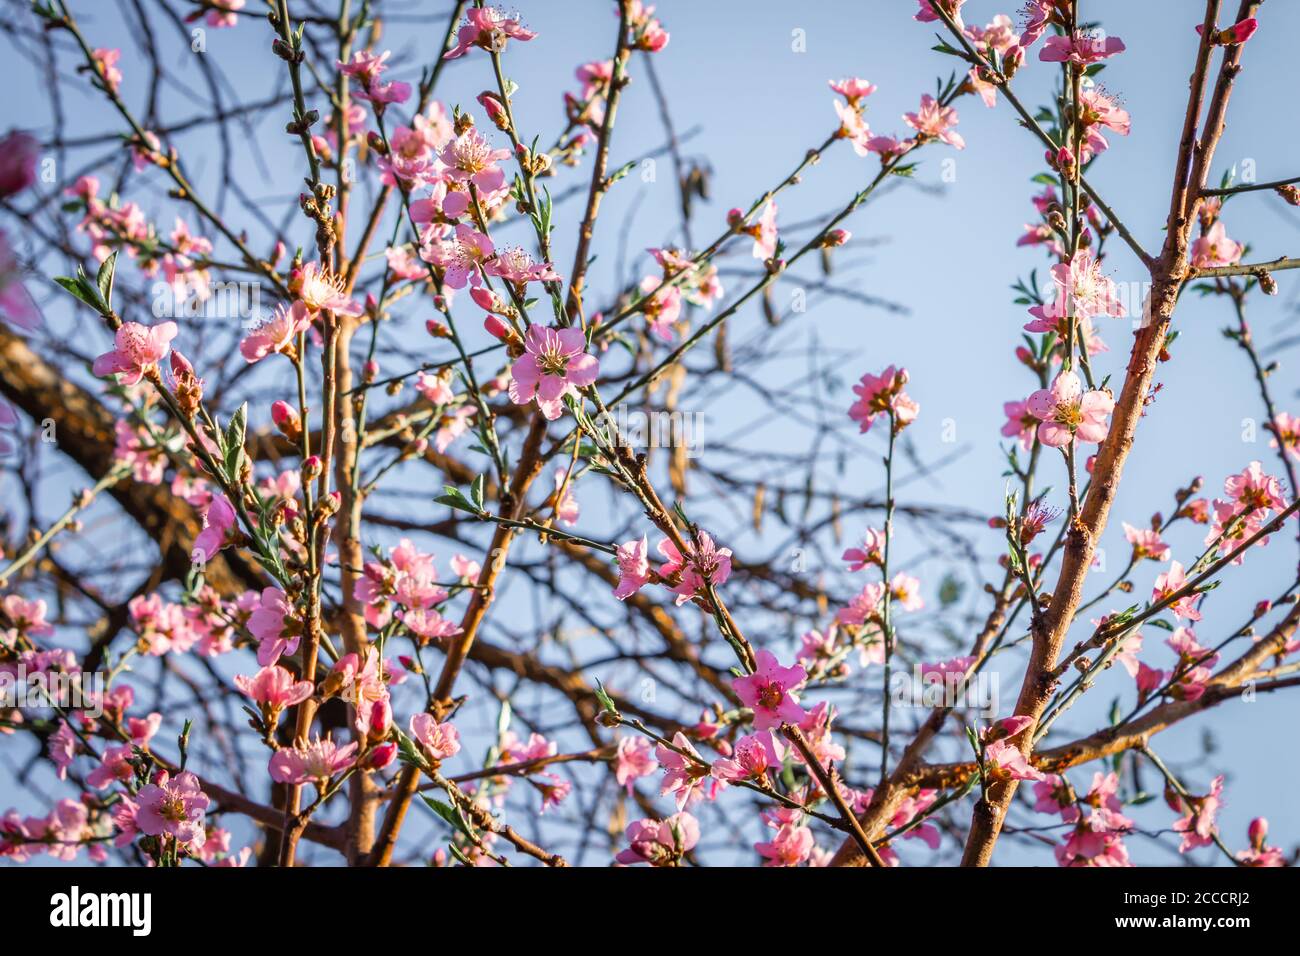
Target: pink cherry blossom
<point x="1146" y="543"/>
<point x="935" y="121"/>
<point x="173" y="807"/>
<point x="1003" y="761"/>
<point x="488" y="29"/>
<point x="1067" y="412"/>
<point x="660" y="843"/>
<point x="274" y="627"/>
<point x="883" y="395"/>
<point x="316" y="762"/>
<point x="274" y="688"/>
<point x="864" y="606"/>
<point x="633" y="567"/>
<point x="1197" y="825"/>
<point x="319" y="288"/>
<point x="703" y="562"/>
<point x="685" y="775"/>
<point x="136" y="350"/>
<point x="279" y="333"/>
<point x="768" y="691"/>
<point x="1170" y="582"/>
<point x="439" y="740"/>
<point x="566" y="505"/>
<point x="634" y="759"/>
<point x="106" y="61"/>
<point x="871" y="551"/>
<point x="1081" y="49"/>
<point x="1214" y="248"/>
<point x="555" y="364"/>
<point x="218" y="522"/>
<point x="754" y="755"/>
<point x="789" y="846"/>
<point x="927" y="12"/>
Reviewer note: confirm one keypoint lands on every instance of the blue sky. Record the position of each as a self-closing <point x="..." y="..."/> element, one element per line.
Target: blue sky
<point x="750" y="78"/>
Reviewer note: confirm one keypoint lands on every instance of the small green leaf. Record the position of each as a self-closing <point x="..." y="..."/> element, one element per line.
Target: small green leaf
<point x="451" y="815"/>
<point x="104" y="280"/>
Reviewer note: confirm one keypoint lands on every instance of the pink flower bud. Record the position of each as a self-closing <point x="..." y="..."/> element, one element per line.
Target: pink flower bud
<point x="382" y="756"/>
<point x="285" y="417"/>
<point x="1258" y="832"/>
<point x="497" y="329"/>
<point x="311" y="468"/>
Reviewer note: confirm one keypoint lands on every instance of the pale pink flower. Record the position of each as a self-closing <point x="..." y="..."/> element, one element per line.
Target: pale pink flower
<point x="439" y="740"/>
<point x="764" y="232"/>
<point x="223" y="13"/>
<point x="769" y="692"/>
<point x="466" y="569"/>
<point x="316" y="762"/>
<point x="871" y="552"/>
<point x="754" y="755"/>
<point x="906" y="590"/>
<point x="935" y="121"/>
<point x="1052" y="794"/>
<point x="854" y="89"/>
<point x="927" y="12"/>
<point x="1170" y="582"/>
<point x="469" y="158"/>
<point x="277" y="333"/>
<point x="173" y="807"/>
<point x="1086" y="847"/>
<point x="1197" y="825"/>
<point x="554" y="364"/>
<point x="319" y="288"/>
<point x="1021" y="423"/>
<point x="633" y="567"/>
<point x="1003" y="761"/>
<point x="137" y="348"/>
<point x="106" y="61"/>
<point x="1146" y="543"/>
<point x="789" y="846"/>
<point x="274" y="627"/>
<point x="1286" y="428"/>
<point x="648" y="33"/>
<point x="661" y="307"/>
<point x="488" y="29"/>
<point x="660" y="843"/>
<point x="864" y="606"/>
<point x="566" y="507"/>
<point x="218" y="522"/>
<point x="1067" y="412"/>
<point x="880" y="395"/>
<point x="1254" y="490"/>
<point x="703" y="562"/>
<point x="1214" y="248"/>
<point x="634" y="759"/>
<point x="1081" y="49"/>
<point x="685" y="776"/>
<point x="274" y="689"/>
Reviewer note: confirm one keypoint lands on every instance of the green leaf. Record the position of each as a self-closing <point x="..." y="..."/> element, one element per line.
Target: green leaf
<point x="81" y="289"/>
<point x="451" y="815"/>
<point x="476" y="492"/>
<point x="453" y="497"/>
<point x="104" y="280"/>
